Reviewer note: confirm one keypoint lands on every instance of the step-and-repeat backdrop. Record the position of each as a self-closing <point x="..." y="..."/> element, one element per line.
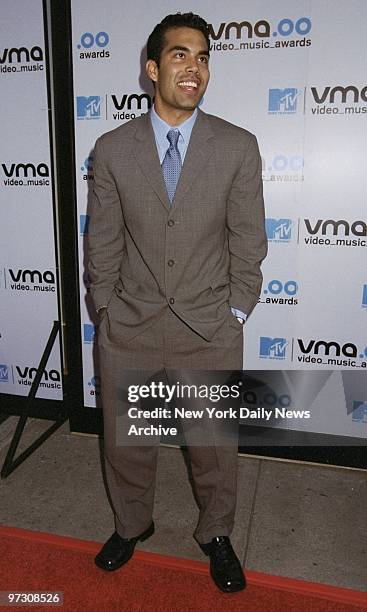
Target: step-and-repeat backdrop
<point x="292" y="72"/>
<point x="28" y="293"/>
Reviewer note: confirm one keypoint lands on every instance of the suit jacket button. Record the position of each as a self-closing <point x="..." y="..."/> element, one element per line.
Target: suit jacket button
<point x="171" y="223"/>
<point x="171" y="263"/>
<point x="171" y="300"/>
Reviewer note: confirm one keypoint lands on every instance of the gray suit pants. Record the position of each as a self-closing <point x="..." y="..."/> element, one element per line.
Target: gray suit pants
<point x="172" y="351"/>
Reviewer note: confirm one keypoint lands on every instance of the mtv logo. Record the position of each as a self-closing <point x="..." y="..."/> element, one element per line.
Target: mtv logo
<point x="4" y="372"/>
<point x="83" y="224"/>
<point x="88" y="107"/>
<point x="359" y="413"/>
<point x="283" y="101"/>
<point x="89" y="332"/>
<point x="278" y="230"/>
<point x="272" y="348"/>
<point x="364" y="296"/>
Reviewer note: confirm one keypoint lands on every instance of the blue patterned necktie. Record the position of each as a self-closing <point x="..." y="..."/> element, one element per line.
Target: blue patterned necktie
<point x="172" y="164"/>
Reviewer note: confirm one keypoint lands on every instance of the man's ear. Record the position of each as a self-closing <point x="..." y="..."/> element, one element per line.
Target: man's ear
<point x="152" y="70"/>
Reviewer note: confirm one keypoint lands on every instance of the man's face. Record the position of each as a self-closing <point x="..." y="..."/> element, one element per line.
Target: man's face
<point x="183" y="73"/>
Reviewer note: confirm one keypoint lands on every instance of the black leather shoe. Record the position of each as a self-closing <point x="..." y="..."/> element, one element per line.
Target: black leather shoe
<point x="117" y="550"/>
<point x="225" y="568"/>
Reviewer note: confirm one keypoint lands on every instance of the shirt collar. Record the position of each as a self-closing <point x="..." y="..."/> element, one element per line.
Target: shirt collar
<point x="161" y="128"/>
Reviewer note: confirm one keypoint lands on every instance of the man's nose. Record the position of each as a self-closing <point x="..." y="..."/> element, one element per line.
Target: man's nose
<point x="192" y="66"/>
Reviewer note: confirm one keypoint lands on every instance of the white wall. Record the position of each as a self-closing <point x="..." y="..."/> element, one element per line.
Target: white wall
<point x="28" y="298"/>
<point x="281" y="87"/>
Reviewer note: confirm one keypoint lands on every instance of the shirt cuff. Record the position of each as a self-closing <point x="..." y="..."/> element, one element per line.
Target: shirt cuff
<point x="238" y="313"/>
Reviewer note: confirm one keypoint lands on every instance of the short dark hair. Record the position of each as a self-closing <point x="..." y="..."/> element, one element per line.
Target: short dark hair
<point x="179" y="20"/>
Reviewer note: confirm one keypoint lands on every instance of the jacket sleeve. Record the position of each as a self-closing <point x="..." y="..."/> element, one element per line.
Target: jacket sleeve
<point x="246" y="231"/>
<point x="105" y="231"/>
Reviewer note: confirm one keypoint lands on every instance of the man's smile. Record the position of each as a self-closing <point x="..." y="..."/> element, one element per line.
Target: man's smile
<point x="189" y="85"/>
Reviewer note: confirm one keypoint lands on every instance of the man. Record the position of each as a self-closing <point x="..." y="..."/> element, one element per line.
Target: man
<point x="176" y="239"/>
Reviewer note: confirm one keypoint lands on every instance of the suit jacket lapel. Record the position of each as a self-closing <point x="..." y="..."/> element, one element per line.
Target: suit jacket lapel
<point x="147" y="157"/>
<point x="199" y="151"/>
<point x="197" y="155"/>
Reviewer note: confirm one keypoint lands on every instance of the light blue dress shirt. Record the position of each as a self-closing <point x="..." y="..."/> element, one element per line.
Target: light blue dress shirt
<point x="161" y="129"/>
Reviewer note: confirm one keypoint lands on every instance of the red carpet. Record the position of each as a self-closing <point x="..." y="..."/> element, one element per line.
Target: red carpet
<point x="33" y="561"/>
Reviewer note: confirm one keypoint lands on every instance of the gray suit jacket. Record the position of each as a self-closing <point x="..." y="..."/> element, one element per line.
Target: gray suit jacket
<point x="202" y="254"/>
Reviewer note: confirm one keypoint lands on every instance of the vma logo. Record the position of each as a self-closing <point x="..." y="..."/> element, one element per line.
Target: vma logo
<point x="126" y="106"/>
<point x="31" y="280"/>
<point x="278" y="230"/>
<point x="89" y="333"/>
<point x="284" y="101"/>
<point x="364" y="296"/>
<point x="88" y="107"/>
<point x="25" y="169"/>
<point x="261" y="29"/>
<point x="25" y="174"/>
<point x="337" y="232"/>
<point x="359" y="414"/>
<point x="272" y="348"/>
<point x="332" y="353"/>
<point x="338" y="100"/>
<point x="51" y="379"/>
<point x="240" y="34"/>
<point x="21" y="59"/>
<point x="91" y="44"/>
<point x="21" y="54"/>
<point x="4" y="372"/>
